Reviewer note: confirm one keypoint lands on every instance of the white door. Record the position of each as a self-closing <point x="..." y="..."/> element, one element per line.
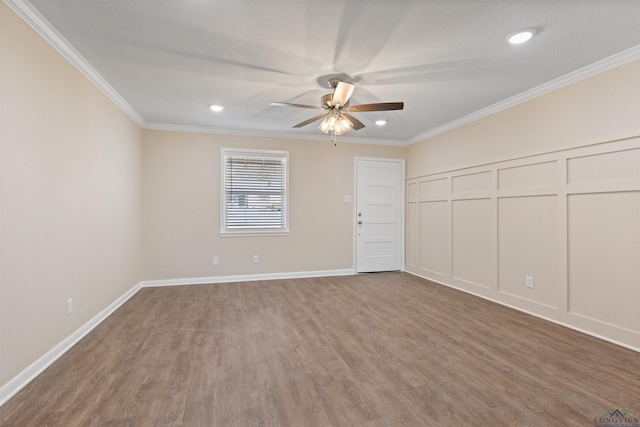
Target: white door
<point x="379" y="215"/>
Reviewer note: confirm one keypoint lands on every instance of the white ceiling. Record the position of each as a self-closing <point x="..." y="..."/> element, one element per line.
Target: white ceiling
<point x="166" y="61"/>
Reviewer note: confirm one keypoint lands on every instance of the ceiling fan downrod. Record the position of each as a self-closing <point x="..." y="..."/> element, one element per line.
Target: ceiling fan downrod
<point x="333" y="82"/>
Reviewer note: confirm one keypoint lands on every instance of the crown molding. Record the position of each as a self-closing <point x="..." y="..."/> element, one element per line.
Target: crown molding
<point x="35" y="20"/>
<point x="270" y="134"/>
<point x="613" y="61"/>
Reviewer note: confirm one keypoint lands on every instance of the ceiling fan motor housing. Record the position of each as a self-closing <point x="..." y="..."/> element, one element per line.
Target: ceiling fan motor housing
<point x="327" y="102"/>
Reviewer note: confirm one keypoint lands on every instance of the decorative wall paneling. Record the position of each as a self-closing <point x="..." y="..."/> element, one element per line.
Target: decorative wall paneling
<point x="570" y="220"/>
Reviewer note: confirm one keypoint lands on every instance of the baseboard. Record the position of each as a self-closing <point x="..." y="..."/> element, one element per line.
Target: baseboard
<point x="548" y="319"/>
<point x="246" y="278"/>
<point x="8" y="390"/>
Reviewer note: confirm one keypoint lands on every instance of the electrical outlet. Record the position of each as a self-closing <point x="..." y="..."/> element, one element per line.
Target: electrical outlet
<point x="529" y="281"/>
<point x="69" y="306"/>
<point x="216" y="261"/>
<point x="256" y="259"/>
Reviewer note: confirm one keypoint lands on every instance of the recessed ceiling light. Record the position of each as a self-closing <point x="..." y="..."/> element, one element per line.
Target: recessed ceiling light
<point x="216" y="108"/>
<point x="521" y="36"/>
<point x="381" y="122"/>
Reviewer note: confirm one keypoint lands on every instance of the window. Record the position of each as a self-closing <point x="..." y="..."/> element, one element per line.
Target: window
<point x="254" y="192"/>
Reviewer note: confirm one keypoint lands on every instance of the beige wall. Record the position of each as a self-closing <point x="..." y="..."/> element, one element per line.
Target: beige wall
<point x="70" y="198"/>
<point x="548" y="189"/>
<point x="182" y="207"/>
<point x="602" y="108"/>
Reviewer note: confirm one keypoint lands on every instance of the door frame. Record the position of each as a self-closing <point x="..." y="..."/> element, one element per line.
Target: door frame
<point x="354" y="214"/>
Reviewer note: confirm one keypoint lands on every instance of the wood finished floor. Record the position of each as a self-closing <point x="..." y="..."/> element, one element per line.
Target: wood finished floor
<point x="370" y="350"/>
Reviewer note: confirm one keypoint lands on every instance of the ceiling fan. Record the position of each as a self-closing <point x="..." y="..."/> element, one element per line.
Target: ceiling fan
<point x="337" y="119"/>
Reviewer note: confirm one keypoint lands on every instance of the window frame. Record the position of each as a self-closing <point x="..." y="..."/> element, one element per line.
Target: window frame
<point x="229" y="232"/>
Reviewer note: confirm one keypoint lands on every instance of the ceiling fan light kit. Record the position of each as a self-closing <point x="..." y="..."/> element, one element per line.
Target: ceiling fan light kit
<point x="336" y="123"/>
<point x="337" y="120"/>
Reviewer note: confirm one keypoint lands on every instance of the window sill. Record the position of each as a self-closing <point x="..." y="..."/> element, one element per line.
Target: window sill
<point x="254" y="233"/>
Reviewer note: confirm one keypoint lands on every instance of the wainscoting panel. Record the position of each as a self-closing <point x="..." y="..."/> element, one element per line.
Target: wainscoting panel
<point x="527" y="230"/>
<point x="605" y="227"/>
<point x="556" y="235"/>
<point x="433" y="188"/>
<point x="412" y="193"/>
<point x="471" y="240"/>
<point x="615" y="166"/>
<point x="434" y="237"/>
<point x="411" y="240"/>
<point x="536" y="175"/>
<point x="472" y="183"/>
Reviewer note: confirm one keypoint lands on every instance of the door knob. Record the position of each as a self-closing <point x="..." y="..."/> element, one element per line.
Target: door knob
<point x="359" y="221"/>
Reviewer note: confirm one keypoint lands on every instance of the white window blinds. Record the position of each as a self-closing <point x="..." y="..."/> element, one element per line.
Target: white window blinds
<point x="255" y="192"/>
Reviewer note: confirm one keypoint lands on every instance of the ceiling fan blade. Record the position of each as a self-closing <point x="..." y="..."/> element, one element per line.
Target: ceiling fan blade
<point x="342" y="93"/>
<point x="357" y="124"/>
<point x="382" y="106"/>
<point x="311" y="120"/>
<point x="288" y="104"/>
